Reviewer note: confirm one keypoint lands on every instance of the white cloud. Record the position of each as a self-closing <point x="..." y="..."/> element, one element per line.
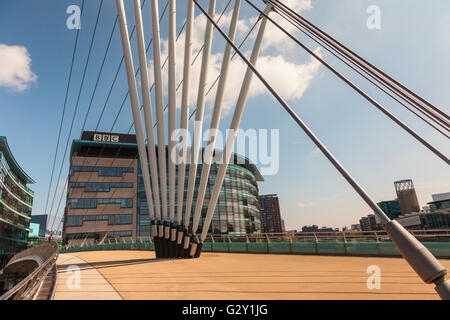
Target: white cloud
<point x="15" y="69"/>
<point x="315" y="152"/>
<point x="290" y="78"/>
<point x="303" y="205"/>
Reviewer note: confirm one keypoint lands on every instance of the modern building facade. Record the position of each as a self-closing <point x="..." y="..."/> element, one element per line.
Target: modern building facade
<point x="315" y="228"/>
<point x="439" y="215"/>
<point x="391" y="208"/>
<point x="41" y="220"/>
<point x="106" y="197"/>
<point x="16" y="201"/>
<point x="435" y="216"/>
<point x="270" y="213"/>
<point x="370" y="223"/>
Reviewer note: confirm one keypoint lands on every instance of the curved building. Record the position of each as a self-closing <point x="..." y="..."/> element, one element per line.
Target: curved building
<point x="106" y="197"/>
<point x="16" y="201"/>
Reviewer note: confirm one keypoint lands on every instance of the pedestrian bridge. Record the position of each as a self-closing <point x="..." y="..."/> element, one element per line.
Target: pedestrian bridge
<point x="136" y="274"/>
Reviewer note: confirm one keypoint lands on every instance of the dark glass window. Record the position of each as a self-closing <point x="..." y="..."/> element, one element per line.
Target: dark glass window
<point x="87" y="203"/>
<point x="102" y="171"/>
<point x="100" y="186"/>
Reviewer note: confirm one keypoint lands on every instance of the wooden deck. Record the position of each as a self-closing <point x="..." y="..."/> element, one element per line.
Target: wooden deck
<point x="137" y="275"/>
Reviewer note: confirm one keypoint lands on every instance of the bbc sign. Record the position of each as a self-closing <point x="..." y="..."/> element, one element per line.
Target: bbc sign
<point x="106" y="137"/>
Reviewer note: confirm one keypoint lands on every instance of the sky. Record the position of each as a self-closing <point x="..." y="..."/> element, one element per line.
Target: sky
<point x="412" y="45"/>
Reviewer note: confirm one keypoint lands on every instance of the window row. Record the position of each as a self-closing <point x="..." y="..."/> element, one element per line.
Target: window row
<point x="102" y="171"/>
<point x="113" y="219"/>
<point x="97" y="235"/>
<point x="87" y="203"/>
<point x="100" y="186"/>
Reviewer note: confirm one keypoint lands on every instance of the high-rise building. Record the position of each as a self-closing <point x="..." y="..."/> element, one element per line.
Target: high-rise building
<point x="270" y="213"/>
<point x="407" y="197"/>
<point x="391" y="208"/>
<point x="370" y="223"/>
<point x="283" y="225"/>
<point x="106" y="196"/>
<point x="16" y="201"/>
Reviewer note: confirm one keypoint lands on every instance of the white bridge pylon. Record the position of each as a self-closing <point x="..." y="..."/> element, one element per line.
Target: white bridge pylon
<point x="178" y="238"/>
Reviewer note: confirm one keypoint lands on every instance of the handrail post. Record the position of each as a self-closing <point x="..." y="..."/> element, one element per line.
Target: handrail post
<point x="316" y="246"/>
<point x="290" y="245"/>
<point x="246" y="242"/>
<point x="345" y="242"/>
<point x="378" y="244"/>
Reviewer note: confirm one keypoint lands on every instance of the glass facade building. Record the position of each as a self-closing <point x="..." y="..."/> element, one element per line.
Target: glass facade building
<point x="106" y="195"/>
<point x="16" y="201"/>
<point x="391" y="208"/>
<point x="237" y="210"/>
<point x="270" y="213"/>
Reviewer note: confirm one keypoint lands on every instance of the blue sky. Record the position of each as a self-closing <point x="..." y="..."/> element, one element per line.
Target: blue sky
<point x="413" y="45"/>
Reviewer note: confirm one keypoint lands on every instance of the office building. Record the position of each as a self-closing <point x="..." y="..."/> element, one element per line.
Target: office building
<point x="106" y="197"/>
<point x="41" y="220"/>
<point x="370" y="223"/>
<point x="315" y="228"/>
<point x="391" y="208"/>
<point x="436" y="216"/>
<point x="312" y="228"/>
<point x="270" y="213"/>
<point x="16" y="201"/>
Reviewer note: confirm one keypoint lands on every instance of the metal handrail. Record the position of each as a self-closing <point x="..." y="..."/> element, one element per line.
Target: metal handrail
<point x="30" y="277"/>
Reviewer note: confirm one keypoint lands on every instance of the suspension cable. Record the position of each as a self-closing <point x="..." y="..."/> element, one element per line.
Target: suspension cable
<point x="356" y="88"/>
<point x="353" y="65"/>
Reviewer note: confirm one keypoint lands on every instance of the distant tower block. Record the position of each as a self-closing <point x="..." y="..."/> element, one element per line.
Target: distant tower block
<point x="407" y="196"/>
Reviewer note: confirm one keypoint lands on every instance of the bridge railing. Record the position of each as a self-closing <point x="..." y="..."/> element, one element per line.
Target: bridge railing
<point x="41" y="260"/>
<point x="314" y="243"/>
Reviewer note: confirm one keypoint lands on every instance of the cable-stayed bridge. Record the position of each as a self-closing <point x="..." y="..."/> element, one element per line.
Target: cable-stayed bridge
<point x="175" y="220"/>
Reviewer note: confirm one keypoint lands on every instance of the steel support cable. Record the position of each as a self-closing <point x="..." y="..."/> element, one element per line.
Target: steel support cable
<point x="196" y="247"/>
<point x="193" y="61"/>
<point x="397" y="83"/>
<point x="356" y="88"/>
<point x="414" y="252"/>
<point x="232" y="57"/>
<point x="92" y="96"/>
<point x="112" y="85"/>
<point x="99" y="73"/>
<point x="64" y="109"/>
<point x="292" y="18"/>
<point x="137" y="71"/>
<point x="153" y="84"/>
<point x="115" y="79"/>
<point x="339" y="56"/>
<point x="152" y="184"/>
<point x="196" y="142"/>
<point x="184" y="126"/>
<point x="118" y="69"/>
<point x="172" y="112"/>
<point x="215" y="119"/>
<point x="78" y="99"/>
